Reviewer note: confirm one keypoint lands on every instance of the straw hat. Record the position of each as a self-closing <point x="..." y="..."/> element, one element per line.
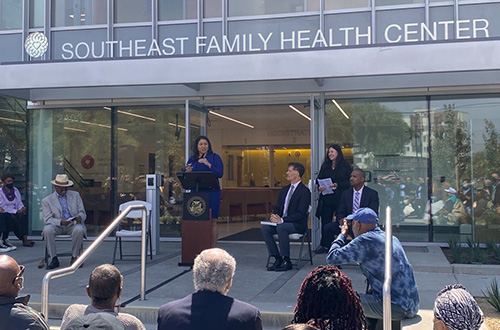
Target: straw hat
<point x="62" y="181"/>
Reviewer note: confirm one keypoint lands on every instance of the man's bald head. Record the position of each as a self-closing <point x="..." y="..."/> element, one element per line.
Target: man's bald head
<point x="8" y="272"/>
<point x="357" y="179"/>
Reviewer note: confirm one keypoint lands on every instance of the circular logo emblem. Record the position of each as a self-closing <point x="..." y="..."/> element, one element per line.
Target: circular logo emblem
<point x="196" y="206"/>
<point x="87" y="162"/>
<point x="36" y="44"/>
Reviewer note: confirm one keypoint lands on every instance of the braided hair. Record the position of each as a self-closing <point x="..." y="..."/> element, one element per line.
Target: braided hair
<point x="327" y="300"/>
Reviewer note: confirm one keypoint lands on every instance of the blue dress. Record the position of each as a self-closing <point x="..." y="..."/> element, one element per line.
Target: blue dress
<point x="218" y="170"/>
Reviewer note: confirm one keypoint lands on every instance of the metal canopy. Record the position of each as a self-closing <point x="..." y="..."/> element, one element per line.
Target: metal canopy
<point x="444" y="66"/>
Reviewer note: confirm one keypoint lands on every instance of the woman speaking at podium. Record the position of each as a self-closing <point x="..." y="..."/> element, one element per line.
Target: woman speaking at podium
<point x="204" y="159"/>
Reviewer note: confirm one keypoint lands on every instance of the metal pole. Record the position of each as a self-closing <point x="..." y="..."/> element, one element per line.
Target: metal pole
<point x="143" y="254"/>
<point x="81" y="259"/>
<point x="388" y="270"/>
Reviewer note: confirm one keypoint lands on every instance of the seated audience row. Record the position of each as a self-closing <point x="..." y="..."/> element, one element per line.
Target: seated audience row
<point x="326" y="300"/>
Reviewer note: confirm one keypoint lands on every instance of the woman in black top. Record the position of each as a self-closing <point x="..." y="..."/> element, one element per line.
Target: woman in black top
<point x="336" y="168"/>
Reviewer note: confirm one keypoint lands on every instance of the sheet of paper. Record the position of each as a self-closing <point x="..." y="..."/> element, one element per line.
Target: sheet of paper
<point x="269" y="223"/>
<point x="326" y="183"/>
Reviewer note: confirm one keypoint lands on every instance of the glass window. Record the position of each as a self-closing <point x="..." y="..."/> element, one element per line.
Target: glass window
<point x="269" y="7"/>
<point x="36" y="13"/>
<point x="128" y="11"/>
<point x="396" y="2"/>
<point x="212" y="8"/>
<point x="13" y="145"/>
<point x="346" y="4"/>
<point x="78" y="12"/>
<point x="76" y="142"/>
<point x="11" y="13"/>
<point x="151" y="140"/>
<point x="465" y="166"/>
<point x="384" y="138"/>
<point x="178" y="9"/>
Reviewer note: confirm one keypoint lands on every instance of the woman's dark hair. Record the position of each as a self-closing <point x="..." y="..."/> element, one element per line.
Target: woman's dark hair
<point x="340" y="157"/>
<point x="196" y="154"/>
<point x="327" y="300"/>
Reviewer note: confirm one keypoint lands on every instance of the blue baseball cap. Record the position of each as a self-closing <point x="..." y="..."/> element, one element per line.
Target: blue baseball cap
<point x="364" y="215"/>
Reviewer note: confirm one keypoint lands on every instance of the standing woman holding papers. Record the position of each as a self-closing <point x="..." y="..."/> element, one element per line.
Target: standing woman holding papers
<point x="204" y="159"/>
<point x="333" y="179"/>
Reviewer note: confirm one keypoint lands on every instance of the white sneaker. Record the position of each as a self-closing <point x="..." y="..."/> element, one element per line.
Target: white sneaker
<point x="8" y="245"/>
<point x="3" y="248"/>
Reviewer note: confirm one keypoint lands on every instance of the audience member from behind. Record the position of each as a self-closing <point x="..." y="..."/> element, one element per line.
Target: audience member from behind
<point x="327" y="300"/>
<point x="299" y="326"/>
<point x="15" y="314"/>
<point x="95" y="321"/>
<point x="456" y="309"/>
<point x="367" y="248"/>
<point x="104" y="289"/>
<point x="209" y="307"/>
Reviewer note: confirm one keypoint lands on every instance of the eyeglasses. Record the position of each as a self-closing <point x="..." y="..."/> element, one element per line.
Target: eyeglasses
<point x="20" y="274"/>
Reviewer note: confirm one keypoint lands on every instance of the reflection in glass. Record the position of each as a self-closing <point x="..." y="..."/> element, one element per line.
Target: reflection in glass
<point x="36" y="13"/>
<point x="151" y="140"/>
<point x="465" y="145"/>
<point x="396" y="2"/>
<point x="386" y="139"/>
<point x="212" y="8"/>
<point x="11" y="12"/>
<point x="346" y="4"/>
<point x="78" y="12"/>
<point x="178" y="9"/>
<point x="129" y="11"/>
<point x="269" y="7"/>
<point x="74" y="141"/>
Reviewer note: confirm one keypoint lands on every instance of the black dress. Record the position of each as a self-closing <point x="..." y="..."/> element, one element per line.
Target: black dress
<point x="329" y="203"/>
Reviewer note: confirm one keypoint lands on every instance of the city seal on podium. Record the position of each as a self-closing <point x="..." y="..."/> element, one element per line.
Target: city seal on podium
<point x="196" y="206"/>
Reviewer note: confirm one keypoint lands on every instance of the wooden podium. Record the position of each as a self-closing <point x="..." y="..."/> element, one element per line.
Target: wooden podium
<point x="198" y="229"/>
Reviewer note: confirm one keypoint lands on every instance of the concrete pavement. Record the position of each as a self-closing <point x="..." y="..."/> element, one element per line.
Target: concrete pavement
<point x="273" y="293"/>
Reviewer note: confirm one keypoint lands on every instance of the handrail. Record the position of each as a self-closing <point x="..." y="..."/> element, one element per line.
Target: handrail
<point x="388" y="270"/>
<point x="81" y="259"/>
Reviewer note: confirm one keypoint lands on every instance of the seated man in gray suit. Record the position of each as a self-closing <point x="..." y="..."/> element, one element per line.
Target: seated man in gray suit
<point x="63" y="213"/>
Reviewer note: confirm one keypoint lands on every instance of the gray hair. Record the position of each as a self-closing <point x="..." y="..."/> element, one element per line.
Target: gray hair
<point x="213" y="270"/>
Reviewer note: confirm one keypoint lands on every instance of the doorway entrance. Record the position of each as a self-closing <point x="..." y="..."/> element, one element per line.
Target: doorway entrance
<point x="256" y="144"/>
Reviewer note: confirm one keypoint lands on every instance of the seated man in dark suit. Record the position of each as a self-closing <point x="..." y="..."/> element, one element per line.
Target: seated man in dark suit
<point x="209" y="307"/>
<point x="352" y="199"/>
<point x="290" y="216"/>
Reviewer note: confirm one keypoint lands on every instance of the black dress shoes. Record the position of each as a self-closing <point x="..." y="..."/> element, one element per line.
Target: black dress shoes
<point x="286" y="265"/>
<point x="54" y="263"/>
<point x="276" y="264"/>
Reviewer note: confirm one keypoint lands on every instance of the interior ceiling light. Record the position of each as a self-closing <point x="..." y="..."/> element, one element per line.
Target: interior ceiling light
<point x="299" y="112"/>
<point x="231" y="119"/>
<point x="131" y="114"/>
<point x="102" y="125"/>
<point x="75" y="129"/>
<point x="340" y="109"/>
<point x="180" y="126"/>
<point x="10" y="119"/>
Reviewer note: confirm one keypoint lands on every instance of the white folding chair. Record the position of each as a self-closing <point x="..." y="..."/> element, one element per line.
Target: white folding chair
<point x="121" y="233"/>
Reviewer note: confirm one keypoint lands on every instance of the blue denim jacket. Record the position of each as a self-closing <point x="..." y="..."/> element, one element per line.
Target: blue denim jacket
<point x="368" y="250"/>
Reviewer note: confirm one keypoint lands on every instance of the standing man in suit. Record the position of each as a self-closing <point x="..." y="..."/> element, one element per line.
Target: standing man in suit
<point x="209" y="307"/>
<point x="352" y="199"/>
<point x="63" y="213"/>
<point x="290" y="216"/>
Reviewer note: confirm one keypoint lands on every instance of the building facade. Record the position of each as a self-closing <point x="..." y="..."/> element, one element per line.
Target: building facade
<point x="110" y="90"/>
